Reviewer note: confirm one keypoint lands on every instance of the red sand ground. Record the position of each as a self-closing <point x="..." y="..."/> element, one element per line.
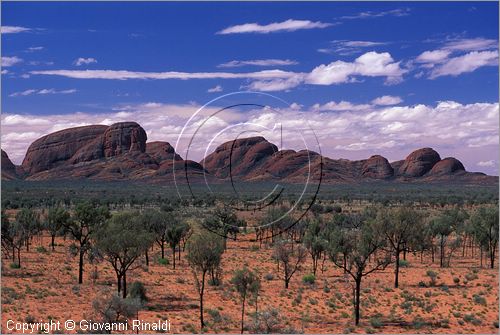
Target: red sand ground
<point x="46" y="287"/>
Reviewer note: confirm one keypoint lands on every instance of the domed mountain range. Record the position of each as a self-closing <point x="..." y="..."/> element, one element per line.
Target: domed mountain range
<point x="121" y="152"/>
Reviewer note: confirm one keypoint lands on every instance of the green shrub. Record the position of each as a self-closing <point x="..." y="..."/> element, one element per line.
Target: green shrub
<point x="309" y="279"/>
<point x="375" y="322"/>
<point x="138" y="291"/>
<point x="15" y="265"/>
<point x="41" y="249"/>
<point x="404" y="263"/>
<point x="432" y="275"/>
<point x="456" y="280"/>
<point x="163" y="261"/>
<point x="479" y="299"/>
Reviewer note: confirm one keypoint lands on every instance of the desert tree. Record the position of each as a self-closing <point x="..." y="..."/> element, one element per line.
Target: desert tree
<point x="113" y="309"/>
<point x="57" y="218"/>
<point x="485" y="229"/>
<point x="7" y="236"/>
<point x="88" y="217"/>
<point x="315" y="241"/>
<point x="289" y="257"/>
<point x="28" y="224"/>
<point x="224" y="222"/>
<point x="204" y="254"/>
<point x="158" y="223"/>
<point x="120" y="241"/>
<point x="173" y="234"/>
<point x="352" y="248"/>
<point x="246" y="282"/>
<point x="400" y="226"/>
<point x="443" y="227"/>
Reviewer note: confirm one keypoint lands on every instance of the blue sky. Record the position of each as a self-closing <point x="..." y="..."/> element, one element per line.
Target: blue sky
<point x="410" y="67"/>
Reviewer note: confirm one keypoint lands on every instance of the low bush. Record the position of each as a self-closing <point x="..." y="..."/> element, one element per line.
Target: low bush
<point x="309" y="279"/>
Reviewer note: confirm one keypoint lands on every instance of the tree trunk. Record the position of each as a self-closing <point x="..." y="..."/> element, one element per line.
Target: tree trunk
<point x="173" y="256"/>
<point x="124" y="285"/>
<point x="19" y="256"/>
<point x="147" y="258"/>
<point x="202" y="323"/>
<point x="80" y="266"/>
<point x="162" y="246"/>
<point x="119" y="282"/>
<point x="53" y="242"/>
<point x="357" y="299"/>
<point x="242" y="313"/>
<point x="396" y="270"/>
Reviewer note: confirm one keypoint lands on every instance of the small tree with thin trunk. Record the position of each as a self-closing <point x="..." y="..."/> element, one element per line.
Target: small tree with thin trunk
<point x="400" y="226"/>
<point x="246" y="282"/>
<point x="56" y="220"/>
<point x="315" y="241"/>
<point x="121" y="240"/>
<point x="485" y="229"/>
<point x="88" y="217"/>
<point x="158" y="223"/>
<point x="224" y="222"/>
<point x="174" y="234"/>
<point x="204" y="253"/>
<point x="351" y="249"/>
<point x="290" y="257"/>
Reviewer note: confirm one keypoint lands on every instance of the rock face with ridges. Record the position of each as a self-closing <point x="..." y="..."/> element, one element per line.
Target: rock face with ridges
<point x="238" y="157"/>
<point x="419" y="162"/>
<point x="449" y="165"/>
<point x="377" y="167"/>
<point x="55" y="149"/>
<point x="162" y="151"/>
<point x="123" y="137"/>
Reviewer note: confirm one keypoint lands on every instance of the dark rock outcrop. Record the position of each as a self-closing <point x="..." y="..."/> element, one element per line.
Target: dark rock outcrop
<point x="8" y="168"/>
<point x="419" y="162"/>
<point x="123" y="137"/>
<point x="377" y="167"/>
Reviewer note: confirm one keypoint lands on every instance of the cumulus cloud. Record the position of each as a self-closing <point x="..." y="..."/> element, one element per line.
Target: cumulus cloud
<point x="340" y="106"/>
<point x="259" y="62"/>
<point x="13" y="29"/>
<point x="10" y="61"/>
<point x="84" y="61"/>
<point x="285" y="26"/>
<point x="42" y="92"/>
<point x="434" y="56"/>
<point x="370" y="64"/>
<point x="387" y="100"/>
<point x="215" y="89"/>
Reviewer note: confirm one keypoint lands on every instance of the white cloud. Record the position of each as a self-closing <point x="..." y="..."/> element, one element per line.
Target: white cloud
<point x="81" y="61"/>
<point x="370" y="64"/>
<point x="10" y="61"/>
<point x="5" y="71"/>
<point x="41" y="92"/>
<point x="259" y="62"/>
<point x="369" y="14"/>
<point x="33" y="49"/>
<point x="465" y="63"/>
<point x="288" y="25"/>
<point x="13" y="29"/>
<point x="387" y="100"/>
<point x="340" y="106"/>
<point x="433" y="56"/>
<point x="215" y="89"/>
<point x="471" y="44"/>
<point x="486" y="163"/>
<point x="345" y="47"/>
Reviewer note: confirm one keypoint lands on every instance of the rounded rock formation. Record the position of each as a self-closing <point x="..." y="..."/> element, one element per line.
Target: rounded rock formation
<point x="56" y="148"/>
<point x="123" y="137"/>
<point x="419" y="162"/>
<point x="449" y="165"/>
<point x="377" y="167"/>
